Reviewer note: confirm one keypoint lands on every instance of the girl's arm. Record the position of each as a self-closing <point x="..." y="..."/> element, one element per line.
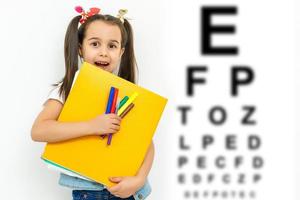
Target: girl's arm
<point x="147" y="164"/>
<point x="127" y="186"/>
<point x="46" y="128"/>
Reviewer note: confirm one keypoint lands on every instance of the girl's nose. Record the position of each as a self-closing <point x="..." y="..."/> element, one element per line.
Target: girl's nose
<point x="103" y="51"/>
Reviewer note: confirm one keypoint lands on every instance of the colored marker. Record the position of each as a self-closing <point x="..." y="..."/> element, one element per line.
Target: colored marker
<point x="123" y="101"/>
<point x="109" y="103"/>
<point x="127" y="110"/>
<point x="110" y="100"/>
<point x="122" y="116"/>
<point x="113" y="110"/>
<point x="114" y="103"/>
<point x="130" y="100"/>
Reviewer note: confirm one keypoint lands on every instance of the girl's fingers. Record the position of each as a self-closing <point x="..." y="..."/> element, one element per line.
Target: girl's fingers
<point x="115" y="128"/>
<point x="114" y="116"/>
<point x="115" y="121"/>
<point x="115" y="189"/>
<point x="112" y="131"/>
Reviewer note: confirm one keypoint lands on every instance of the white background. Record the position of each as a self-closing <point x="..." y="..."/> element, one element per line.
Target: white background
<point x="166" y="42"/>
<point x="266" y="37"/>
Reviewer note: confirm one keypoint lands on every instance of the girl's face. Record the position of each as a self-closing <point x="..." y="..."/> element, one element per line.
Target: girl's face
<point x="102" y="45"/>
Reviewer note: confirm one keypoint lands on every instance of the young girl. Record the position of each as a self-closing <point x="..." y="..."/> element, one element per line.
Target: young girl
<point x="107" y="42"/>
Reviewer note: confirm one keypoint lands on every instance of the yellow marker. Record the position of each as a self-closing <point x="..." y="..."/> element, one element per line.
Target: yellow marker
<point x="128" y="102"/>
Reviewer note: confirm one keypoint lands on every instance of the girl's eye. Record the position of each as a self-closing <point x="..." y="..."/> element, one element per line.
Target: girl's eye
<point x="95" y="44"/>
<point x="112" y="46"/>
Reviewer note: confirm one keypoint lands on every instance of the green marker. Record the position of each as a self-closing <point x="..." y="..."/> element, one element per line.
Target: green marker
<point x="130" y="100"/>
<point x="123" y="101"/>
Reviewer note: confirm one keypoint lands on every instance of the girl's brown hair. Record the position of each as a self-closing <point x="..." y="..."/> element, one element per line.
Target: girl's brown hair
<point x="74" y="38"/>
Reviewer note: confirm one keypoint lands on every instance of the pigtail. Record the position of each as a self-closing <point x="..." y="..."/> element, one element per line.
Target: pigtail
<point x="71" y="49"/>
<point x="74" y="37"/>
<point x="128" y="64"/>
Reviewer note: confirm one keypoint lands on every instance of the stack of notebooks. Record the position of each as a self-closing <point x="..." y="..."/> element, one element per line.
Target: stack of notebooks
<point x="97" y="159"/>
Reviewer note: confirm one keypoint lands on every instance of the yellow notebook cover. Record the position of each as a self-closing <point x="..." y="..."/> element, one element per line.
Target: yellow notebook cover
<point x="90" y="156"/>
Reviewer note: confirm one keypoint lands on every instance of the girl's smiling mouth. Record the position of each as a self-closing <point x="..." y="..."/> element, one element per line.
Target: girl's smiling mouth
<point x="101" y="64"/>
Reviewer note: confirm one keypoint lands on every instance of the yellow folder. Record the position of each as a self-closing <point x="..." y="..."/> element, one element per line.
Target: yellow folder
<point x="90" y="156"/>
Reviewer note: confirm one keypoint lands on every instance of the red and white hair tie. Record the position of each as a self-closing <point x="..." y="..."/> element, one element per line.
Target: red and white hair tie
<point x="86" y="15"/>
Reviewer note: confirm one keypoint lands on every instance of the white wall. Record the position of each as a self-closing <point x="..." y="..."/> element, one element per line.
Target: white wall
<point x="32" y="35"/>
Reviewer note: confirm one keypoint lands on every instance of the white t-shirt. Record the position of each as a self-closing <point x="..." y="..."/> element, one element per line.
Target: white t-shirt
<point x="54" y="94"/>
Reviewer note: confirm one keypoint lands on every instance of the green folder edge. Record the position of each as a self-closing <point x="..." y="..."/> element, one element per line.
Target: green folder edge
<point x="59" y="166"/>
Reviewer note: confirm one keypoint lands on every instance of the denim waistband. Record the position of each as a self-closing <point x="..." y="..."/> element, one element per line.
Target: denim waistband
<point x="96" y="195"/>
<point x="81" y="184"/>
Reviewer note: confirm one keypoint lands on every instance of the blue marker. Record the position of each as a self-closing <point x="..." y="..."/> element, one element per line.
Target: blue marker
<point x="110" y="100"/>
<point x="109" y="103"/>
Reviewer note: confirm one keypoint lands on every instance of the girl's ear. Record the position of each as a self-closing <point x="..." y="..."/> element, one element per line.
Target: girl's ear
<point x="122" y="51"/>
<point x="80" y="51"/>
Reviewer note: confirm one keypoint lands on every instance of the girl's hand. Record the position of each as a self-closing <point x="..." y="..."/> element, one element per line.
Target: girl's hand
<point x="104" y="124"/>
<point x="126" y="186"/>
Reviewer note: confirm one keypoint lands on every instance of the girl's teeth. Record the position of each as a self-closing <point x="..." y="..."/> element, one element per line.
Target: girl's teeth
<point x="102" y="64"/>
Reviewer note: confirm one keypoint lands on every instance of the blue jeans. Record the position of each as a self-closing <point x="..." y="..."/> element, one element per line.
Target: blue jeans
<point x="95" y="195"/>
